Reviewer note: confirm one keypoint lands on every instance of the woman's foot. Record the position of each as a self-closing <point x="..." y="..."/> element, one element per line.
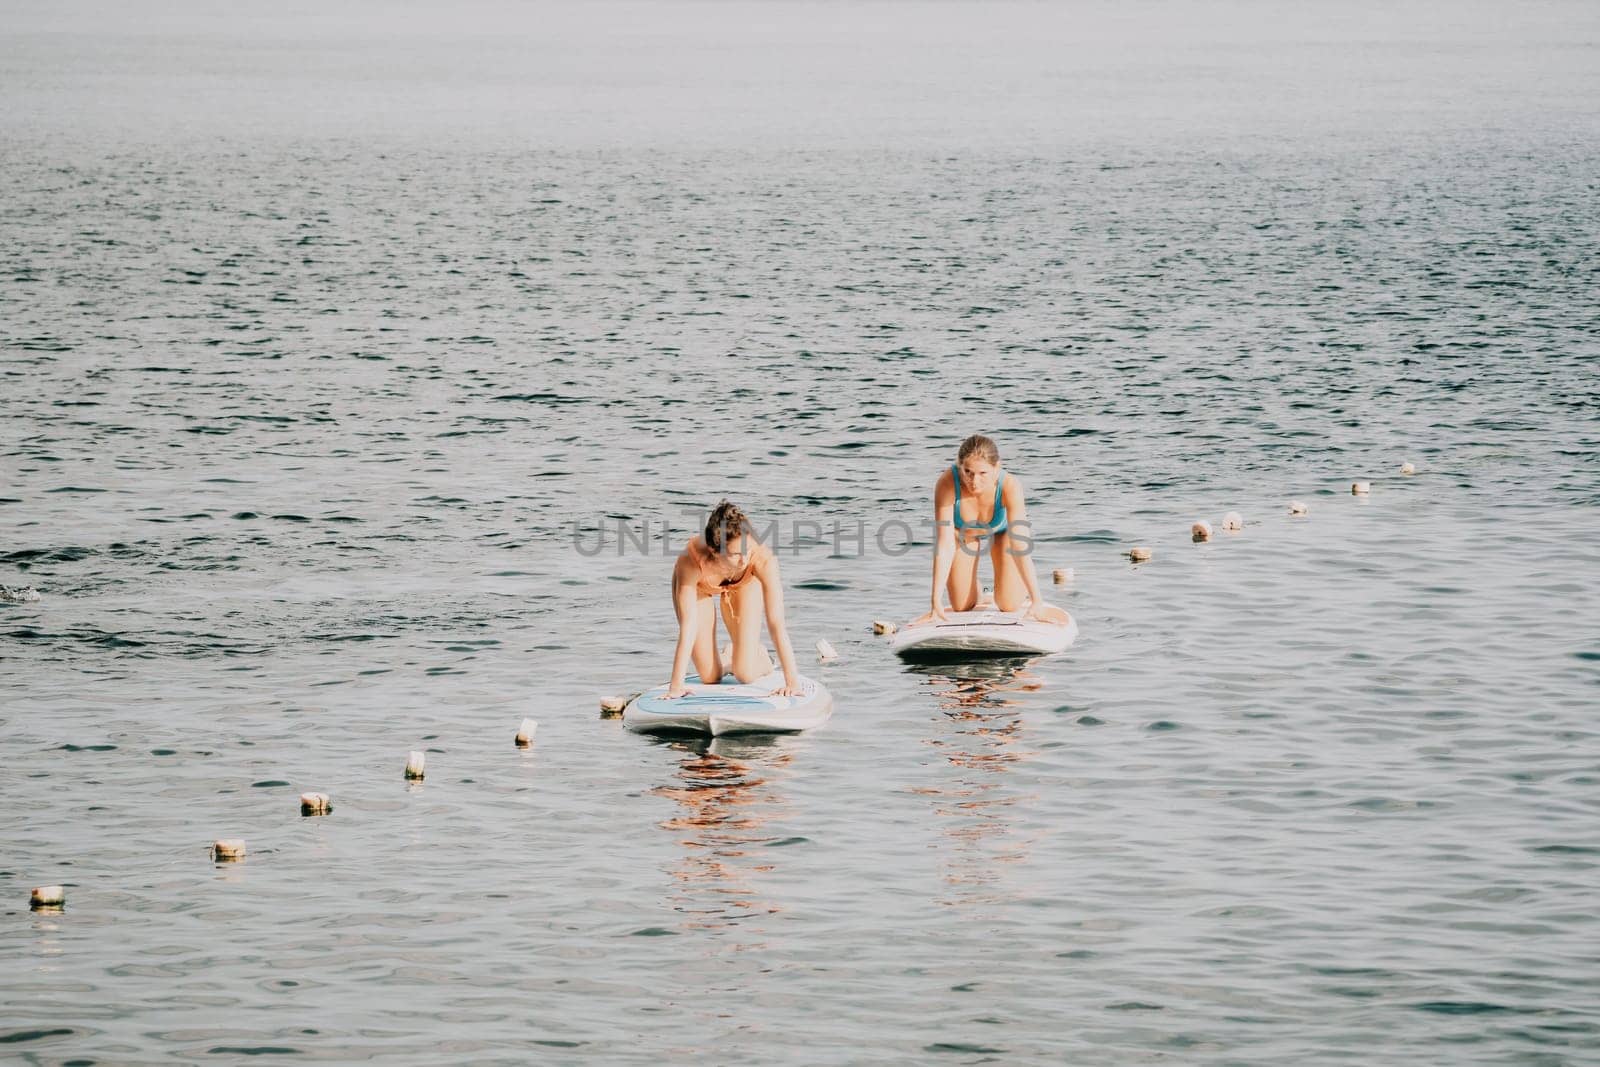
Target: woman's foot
<point x="1047" y="613"/>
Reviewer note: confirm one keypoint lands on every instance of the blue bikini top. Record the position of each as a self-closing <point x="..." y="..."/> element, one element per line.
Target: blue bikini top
<point x="995" y="524"/>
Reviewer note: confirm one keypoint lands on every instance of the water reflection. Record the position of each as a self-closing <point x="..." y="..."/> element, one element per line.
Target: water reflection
<point x="726" y="800"/>
<point x="975" y="801"/>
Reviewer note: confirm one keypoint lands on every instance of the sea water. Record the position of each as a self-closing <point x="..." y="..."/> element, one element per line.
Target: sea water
<point x="362" y="372"/>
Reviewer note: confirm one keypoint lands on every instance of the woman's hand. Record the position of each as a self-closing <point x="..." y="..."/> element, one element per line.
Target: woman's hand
<point x="676" y="690"/>
<point x="937" y="613"/>
<point x="1038" y="613"/>
<point x="786" y="690"/>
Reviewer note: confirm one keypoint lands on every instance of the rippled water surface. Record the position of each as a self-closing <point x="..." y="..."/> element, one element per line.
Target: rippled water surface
<point x="300" y="422"/>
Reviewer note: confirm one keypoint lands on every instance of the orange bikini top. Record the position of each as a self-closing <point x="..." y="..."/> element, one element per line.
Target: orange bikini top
<point x="758" y="555"/>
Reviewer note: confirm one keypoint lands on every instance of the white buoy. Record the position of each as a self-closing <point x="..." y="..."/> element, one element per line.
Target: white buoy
<point x="1139" y="554"/>
<point x="1200" y="531"/>
<point x="825" y="651"/>
<point x="1407" y="468"/>
<point x="1233" y="522"/>
<point x="1296" y="508"/>
<point x="48" y="896"/>
<point x="1360" y="488"/>
<point x="611" y="707"/>
<point x="526" y="731"/>
<point x="881" y="628"/>
<point x="1062" y="575"/>
<point x="315" y="804"/>
<point x="414" y="765"/>
<point x="227" y="850"/>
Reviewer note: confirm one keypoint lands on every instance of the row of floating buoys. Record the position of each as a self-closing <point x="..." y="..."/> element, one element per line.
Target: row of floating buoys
<point x="1233" y="522"/>
<point x="231" y="850"/>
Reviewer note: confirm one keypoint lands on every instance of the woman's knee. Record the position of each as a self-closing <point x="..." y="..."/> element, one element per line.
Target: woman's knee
<point x="754" y="666"/>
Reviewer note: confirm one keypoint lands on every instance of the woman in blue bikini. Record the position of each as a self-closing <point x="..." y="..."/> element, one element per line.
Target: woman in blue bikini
<point x="976" y="485"/>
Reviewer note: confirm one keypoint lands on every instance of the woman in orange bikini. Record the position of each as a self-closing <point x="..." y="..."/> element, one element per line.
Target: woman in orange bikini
<point x="731" y="564"/>
<point x="961" y="496"/>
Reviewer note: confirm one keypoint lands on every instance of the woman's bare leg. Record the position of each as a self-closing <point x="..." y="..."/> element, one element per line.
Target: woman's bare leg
<point x="963" y="584"/>
<point x="1010" y="591"/>
<point x="707" y="664"/>
<point x="742" y="612"/>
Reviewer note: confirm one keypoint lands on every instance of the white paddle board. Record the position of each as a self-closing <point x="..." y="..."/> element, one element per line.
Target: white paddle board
<point x="983" y="633"/>
<point x="731" y="707"/>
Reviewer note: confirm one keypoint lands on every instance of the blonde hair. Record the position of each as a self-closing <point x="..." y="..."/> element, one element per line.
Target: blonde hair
<point x="981" y="446"/>
<point x="726" y="523"/>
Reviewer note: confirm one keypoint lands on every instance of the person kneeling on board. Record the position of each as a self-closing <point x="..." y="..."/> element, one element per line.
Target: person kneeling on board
<point x="973" y="500"/>
<point x="730" y="565"/>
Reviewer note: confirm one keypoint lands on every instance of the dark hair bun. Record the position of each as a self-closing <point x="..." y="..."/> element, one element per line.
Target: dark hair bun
<point x="724" y="526"/>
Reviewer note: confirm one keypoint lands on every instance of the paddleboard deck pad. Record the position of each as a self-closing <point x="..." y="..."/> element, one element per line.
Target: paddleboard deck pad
<point x="982" y="633"/>
<point x="731" y="707"/>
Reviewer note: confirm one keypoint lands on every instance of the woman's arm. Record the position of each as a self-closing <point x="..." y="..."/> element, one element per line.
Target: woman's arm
<point x="772" y="595"/>
<point x="1019" y="544"/>
<point x="944" y="544"/>
<point x="685" y="601"/>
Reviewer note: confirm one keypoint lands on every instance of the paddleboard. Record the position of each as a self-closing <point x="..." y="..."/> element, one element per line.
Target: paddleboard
<point x="982" y="633"/>
<point x="731" y="707"/>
